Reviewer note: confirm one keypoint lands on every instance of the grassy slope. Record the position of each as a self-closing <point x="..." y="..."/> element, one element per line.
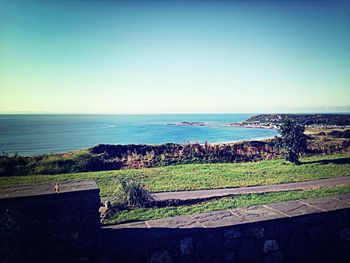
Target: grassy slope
<point x="246" y="200"/>
<point x="205" y="176"/>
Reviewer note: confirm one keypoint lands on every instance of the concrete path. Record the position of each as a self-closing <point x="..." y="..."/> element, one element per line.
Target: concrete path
<point x="204" y="194"/>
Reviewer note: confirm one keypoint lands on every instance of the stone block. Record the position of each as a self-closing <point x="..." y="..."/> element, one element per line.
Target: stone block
<point x="209" y="249"/>
<point x="230" y="257"/>
<point x="344" y="233"/>
<point x="294" y="208"/>
<point x="275" y="229"/>
<point x="270" y="245"/>
<point x="255" y="232"/>
<point x="174" y="222"/>
<point x="250" y="251"/>
<point x="186" y="259"/>
<point x="255" y="214"/>
<point x="344" y="198"/>
<point x="217" y="219"/>
<point x="343" y="219"/>
<point x="162" y="256"/>
<point x="302" y="248"/>
<point x="327" y="204"/>
<point x="232" y="234"/>
<point x="172" y="246"/>
<point x="232" y="244"/>
<point x="135" y="225"/>
<point x="316" y="230"/>
<point x="186" y="246"/>
<point x="276" y="257"/>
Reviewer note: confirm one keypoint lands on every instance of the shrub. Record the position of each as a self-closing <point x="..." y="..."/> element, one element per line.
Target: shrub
<point x="13" y="165"/>
<point x="131" y="193"/>
<point x="293" y="139"/>
<point x="340" y="134"/>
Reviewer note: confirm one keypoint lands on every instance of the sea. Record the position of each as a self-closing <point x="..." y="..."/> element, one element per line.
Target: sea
<point x="30" y="135"/>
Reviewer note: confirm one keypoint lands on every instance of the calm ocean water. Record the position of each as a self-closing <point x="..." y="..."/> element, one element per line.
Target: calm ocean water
<point x="39" y="134"/>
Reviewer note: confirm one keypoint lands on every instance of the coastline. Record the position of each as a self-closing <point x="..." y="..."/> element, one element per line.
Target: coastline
<point x="142" y="131"/>
<point x="260" y="139"/>
<point x="65" y="133"/>
<point x="274" y="121"/>
<point x="103" y="157"/>
<point x="233" y="124"/>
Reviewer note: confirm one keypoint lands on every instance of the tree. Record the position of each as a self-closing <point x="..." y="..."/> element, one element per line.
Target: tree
<point x="293" y="140"/>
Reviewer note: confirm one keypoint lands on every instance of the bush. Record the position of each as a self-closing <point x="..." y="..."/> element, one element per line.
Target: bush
<point x="340" y="134"/>
<point x="293" y="140"/>
<point x="131" y="193"/>
<point x="13" y="165"/>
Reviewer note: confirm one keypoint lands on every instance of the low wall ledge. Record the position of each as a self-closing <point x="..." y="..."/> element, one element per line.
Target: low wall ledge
<point x="239" y="216"/>
<point x="51" y="188"/>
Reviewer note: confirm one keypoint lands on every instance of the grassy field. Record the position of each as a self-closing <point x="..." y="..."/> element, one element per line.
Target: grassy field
<point x="208" y="176"/>
<point x="246" y="200"/>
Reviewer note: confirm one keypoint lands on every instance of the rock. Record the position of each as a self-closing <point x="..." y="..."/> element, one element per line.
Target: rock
<point x="230" y="257"/>
<point x="302" y="248"/>
<point x="186" y="259"/>
<point x="161" y="257"/>
<point x="343" y="219"/>
<point x="232" y="234"/>
<point x="250" y="251"/>
<point x="275" y="257"/>
<point x="257" y="232"/>
<point x="103" y="213"/>
<point x="270" y="245"/>
<point x="186" y="246"/>
<point x="108" y="204"/>
<point x="102" y="259"/>
<point x="345" y="234"/>
<point x="232" y="244"/>
<point x="316" y="230"/>
<point x="278" y="230"/>
<point x="209" y="249"/>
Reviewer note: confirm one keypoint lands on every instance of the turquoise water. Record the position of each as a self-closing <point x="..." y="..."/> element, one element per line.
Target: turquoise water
<point x="39" y="134"/>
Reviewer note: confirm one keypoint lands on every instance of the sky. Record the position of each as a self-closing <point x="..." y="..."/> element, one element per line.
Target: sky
<point x="174" y="56"/>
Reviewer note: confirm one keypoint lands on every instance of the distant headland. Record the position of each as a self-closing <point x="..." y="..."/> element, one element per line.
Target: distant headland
<point x="273" y="121"/>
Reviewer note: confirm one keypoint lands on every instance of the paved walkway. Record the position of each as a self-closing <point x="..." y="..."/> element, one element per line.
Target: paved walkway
<point x="204" y="194"/>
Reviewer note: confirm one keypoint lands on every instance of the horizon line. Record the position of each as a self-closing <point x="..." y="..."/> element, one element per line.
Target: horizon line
<point x="174" y="113"/>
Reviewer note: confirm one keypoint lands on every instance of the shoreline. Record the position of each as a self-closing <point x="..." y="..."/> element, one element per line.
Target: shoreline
<point x="233" y="124"/>
<point x="258" y="122"/>
<point x="103" y="157"/>
<point x="272" y="126"/>
<point x="262" y="139"/>
<point x="309" y="130"/>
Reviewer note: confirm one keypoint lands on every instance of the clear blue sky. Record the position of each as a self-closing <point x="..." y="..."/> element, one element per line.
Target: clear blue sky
<point x="174" y="56"/>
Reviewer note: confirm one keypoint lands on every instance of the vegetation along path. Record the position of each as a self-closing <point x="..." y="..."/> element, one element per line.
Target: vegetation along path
<point x="213" y="193"/>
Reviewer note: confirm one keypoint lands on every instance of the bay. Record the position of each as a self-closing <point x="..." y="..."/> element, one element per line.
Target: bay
<point x="42" y="134"/>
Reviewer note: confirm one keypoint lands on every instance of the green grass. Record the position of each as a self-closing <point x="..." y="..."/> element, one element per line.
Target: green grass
<point x="208" y="176"/>
<point x="246" y="200"/>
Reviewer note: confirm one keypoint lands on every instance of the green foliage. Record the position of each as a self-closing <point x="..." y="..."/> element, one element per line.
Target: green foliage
<point x="14" y="164"/>
<point x="293" y="140"/>
<point x="131" y="193"/>
<point x="115" y="157"/>
<point x="207" y="176"/>
<point x="302" y="119"/>
<point x="79" y="161"/>
<point x="340" y="134"/>
<point x="53" y="164"/>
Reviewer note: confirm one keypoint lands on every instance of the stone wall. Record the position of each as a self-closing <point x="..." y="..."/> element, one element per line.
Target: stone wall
<point x="38" y="224"/>
<point x="44" y="223"/>
<point x="315" y="230"/>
